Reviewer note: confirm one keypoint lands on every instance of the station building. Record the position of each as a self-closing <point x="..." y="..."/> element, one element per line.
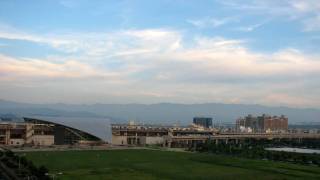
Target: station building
<point x="43" y="133"/>
<point x="167" y="136"/>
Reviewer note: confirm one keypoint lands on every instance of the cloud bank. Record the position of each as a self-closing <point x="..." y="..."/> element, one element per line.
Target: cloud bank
<point x="157" y="65"/>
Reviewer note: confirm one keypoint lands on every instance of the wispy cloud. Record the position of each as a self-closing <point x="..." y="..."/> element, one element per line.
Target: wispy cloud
<point x="101" y="43"/>
<point x="69" y="3"/>
<point x="22" y="69"/>
<point x="251" y="27"/>
<point x="312" y="24"/>
<point x="211" y="22"/>
<point x="159" y="63"/>
<point x="306" y="12"/>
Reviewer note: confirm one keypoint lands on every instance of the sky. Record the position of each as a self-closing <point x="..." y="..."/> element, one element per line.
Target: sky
<point x="181" y="51"/>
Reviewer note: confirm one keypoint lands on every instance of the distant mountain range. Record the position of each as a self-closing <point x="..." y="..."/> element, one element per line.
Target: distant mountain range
<point x="162" y="113"/>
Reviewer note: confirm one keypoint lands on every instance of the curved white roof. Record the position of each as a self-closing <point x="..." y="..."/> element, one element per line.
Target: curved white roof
<point x="99" y="127"/>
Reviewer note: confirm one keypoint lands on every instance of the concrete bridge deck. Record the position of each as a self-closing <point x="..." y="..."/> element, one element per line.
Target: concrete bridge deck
<point x="249" y="136"/>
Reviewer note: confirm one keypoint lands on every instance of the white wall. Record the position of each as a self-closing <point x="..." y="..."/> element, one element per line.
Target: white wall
<point x="119" y="140"/>
<point x="16" y="142"/>
<point x="43" y="140"/>
<point x="154" y="140"/>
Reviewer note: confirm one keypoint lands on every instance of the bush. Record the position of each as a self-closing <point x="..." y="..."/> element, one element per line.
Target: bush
<point x="41" y="173"/>
<point x="255" y="149"/>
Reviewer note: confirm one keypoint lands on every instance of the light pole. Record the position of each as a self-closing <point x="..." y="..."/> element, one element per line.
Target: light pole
<point x="30" y="177"/>
<point x="53" y="175"/>
<point x="19" y="157"/>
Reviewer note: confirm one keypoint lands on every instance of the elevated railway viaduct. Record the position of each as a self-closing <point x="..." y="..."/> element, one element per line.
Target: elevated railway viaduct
<point x="190" y="140"/>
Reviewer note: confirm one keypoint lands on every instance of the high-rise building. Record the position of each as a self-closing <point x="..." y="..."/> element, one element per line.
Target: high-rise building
<point x="264" y="123"/>
<point x="203" y="121"/>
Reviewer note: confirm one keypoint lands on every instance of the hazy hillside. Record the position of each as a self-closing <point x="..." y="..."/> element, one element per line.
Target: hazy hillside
<point x="162" y="113"/>
<point x="24" y="109"/>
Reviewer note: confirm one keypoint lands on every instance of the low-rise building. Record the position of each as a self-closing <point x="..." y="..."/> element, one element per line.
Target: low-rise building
<point x="169" y="136"/>
<point x="130" y="134"/>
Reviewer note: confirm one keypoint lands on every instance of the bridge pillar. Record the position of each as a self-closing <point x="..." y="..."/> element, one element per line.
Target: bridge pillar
<point x="169" y="144"/>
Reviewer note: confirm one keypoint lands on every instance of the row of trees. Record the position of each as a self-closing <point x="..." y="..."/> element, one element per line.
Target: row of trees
<point x="256" y="150"/>
<point x="304" y="143"/>
<point x="20" y="167"/>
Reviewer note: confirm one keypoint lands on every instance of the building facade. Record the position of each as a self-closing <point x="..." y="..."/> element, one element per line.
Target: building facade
<point x="167" y="136"/>
<point x="264" y="123"/>
<point x="205" y="122"/>
<point x="17" y="134"/>
<point x="130" y="134"/>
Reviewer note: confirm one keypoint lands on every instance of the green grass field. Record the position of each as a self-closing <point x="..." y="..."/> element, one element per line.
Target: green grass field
<point x="152" y="164"/>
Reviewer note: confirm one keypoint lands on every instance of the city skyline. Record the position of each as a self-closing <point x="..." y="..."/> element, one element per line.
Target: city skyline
<point x="253" y="52"/>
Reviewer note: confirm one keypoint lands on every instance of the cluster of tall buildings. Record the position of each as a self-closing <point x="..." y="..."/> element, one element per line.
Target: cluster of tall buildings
<point x="263" y="124"/>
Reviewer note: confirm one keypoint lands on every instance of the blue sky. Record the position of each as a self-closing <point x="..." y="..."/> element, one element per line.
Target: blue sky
<point x="253" y="51"/>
